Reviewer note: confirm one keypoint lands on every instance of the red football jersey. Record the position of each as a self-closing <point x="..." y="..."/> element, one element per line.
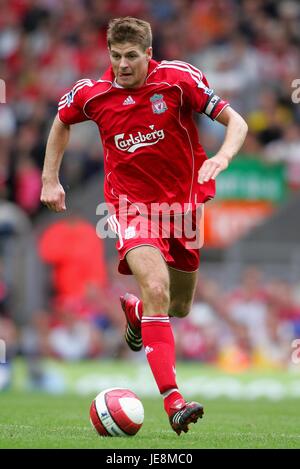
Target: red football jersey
<point x="151" y="145"/>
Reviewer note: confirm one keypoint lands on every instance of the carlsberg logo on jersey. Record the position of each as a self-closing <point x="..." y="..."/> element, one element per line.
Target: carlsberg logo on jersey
<point x="134" y="141"/>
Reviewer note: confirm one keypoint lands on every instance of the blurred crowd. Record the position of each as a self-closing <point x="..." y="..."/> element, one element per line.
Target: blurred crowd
<point x="249" y="51"/>
<point x="250" y="325"/>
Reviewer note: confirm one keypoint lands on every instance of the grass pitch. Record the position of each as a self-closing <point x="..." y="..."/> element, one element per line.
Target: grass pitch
<point x="35" y="420"/>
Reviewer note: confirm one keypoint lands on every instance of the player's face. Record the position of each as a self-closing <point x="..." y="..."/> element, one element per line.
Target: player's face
<point x="130" y="64"/>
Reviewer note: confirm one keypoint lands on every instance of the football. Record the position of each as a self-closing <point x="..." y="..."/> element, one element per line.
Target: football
<point x="117" y="412"/>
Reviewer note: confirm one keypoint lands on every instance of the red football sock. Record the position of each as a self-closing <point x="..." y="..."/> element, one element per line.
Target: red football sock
<point x="159" y="346"/>
<point x="173" y="400"/>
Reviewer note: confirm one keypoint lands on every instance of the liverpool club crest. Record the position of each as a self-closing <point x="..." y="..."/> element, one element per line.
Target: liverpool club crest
<point x="158" y="104"/>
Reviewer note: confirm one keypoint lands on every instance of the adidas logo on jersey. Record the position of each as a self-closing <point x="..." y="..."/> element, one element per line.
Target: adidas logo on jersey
<point x="128" y="101"/>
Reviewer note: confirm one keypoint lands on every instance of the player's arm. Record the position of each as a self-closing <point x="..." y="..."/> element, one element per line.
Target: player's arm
<point x="53" y="194"/>
<point x="234" y="138"/>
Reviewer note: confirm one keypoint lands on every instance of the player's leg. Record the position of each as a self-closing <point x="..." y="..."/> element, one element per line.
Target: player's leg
<point x="151" y="272"/>
<point x="152" y="275"/>
<point x="183" y="270"/>
<point x="182" y="290"/>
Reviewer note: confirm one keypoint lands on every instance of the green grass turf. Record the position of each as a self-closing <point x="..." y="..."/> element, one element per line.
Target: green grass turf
<point x="35" y="420"/>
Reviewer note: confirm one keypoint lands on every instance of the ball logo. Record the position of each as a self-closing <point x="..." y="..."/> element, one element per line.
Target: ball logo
<point x="132" y="142"/>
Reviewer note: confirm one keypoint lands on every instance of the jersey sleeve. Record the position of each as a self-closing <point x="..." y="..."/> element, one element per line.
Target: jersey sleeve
<point x="200" y="96"/>
<point x="71" y="104"/>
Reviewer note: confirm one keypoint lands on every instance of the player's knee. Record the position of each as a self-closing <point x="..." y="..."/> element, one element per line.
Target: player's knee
<point x="179" y="309"/>
<point x="157" y="293"/>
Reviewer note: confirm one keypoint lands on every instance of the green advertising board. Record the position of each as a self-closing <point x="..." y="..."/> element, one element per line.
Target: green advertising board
<point x="249" y="178"/>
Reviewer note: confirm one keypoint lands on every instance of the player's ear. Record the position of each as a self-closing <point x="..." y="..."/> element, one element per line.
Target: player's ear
<point x="149" y="53"/>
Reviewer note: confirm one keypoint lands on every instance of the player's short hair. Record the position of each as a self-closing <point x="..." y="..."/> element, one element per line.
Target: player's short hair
<point x="129" y="29"/>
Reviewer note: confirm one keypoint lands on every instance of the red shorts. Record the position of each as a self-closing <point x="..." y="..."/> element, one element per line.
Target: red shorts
<point x="178" y="238"/>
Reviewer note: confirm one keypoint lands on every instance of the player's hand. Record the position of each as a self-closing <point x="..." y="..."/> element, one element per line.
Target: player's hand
<point x="53" y="196"/>
<point x="212" y="167"/>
